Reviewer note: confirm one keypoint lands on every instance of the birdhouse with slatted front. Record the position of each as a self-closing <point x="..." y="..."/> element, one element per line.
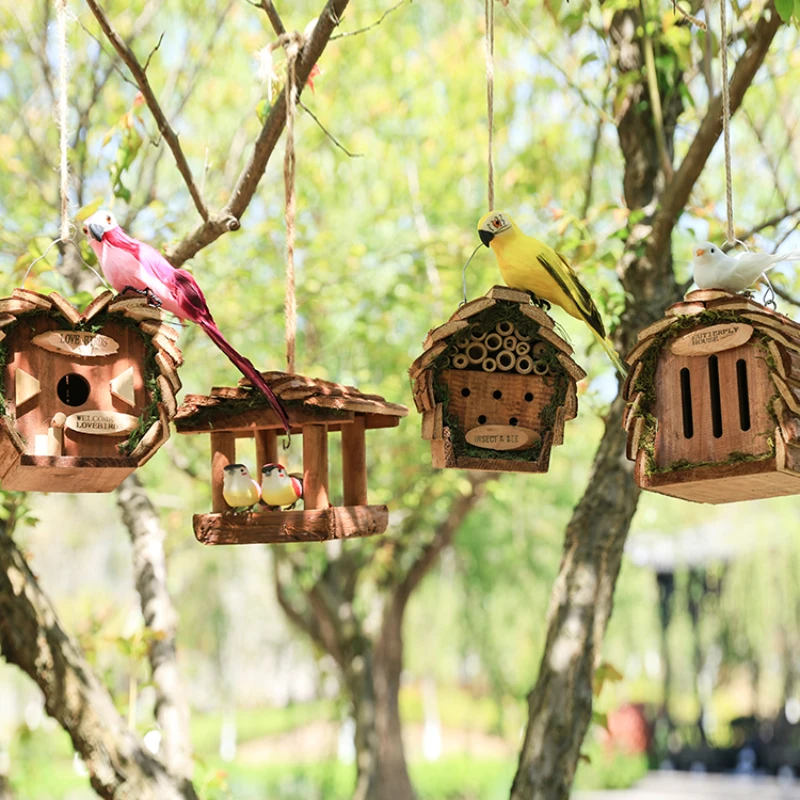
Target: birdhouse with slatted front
<point x="316" y="409"/>
<point x="495" y="386"/>
<point x="87" y="395"/>
<point x="713" y="401"/>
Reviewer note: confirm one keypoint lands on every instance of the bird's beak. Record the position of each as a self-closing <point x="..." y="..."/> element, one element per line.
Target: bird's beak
<point x="96" y="231"/>
<point x="700" y="252"/>
<point x="486" y="236"/>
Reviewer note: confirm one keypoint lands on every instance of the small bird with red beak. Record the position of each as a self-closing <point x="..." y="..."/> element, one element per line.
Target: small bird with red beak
<point x="278" y="488"/>
<point x="131" y="265"/>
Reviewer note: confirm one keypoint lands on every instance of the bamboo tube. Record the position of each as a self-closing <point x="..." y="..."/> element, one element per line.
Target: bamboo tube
<point x="506" y="360"/>
<point x="493" y="341"/>
<point x="510" y="343"/>
<point x="476" y="352"/>
<point x="523" y="337"/>
<point x="540" y="367"/>
<point x="524" y="365"/>
<point x="460" y="361"/>
<point x="463" y="342"/>
<point x="539" y="349"/>
<point x="505" y="327"/>
<point x="522" y="349"/>
<point x="476" y="332"/>
<point x="489" y="364"/>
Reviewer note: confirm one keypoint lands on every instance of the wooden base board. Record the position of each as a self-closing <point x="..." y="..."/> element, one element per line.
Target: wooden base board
<point x="67" y="474"/>
<point x="724" y="483"/>
<point x="444" y="457"/>
<point x="283" y="527"/>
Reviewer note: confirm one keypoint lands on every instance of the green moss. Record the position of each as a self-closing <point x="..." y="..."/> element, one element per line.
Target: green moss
<point x="645" y="386"/>
<point x="559" y="380"/>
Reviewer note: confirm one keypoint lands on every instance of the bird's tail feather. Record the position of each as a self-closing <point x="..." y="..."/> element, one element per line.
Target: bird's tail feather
<point x="612" y="353"/>
<point x="246" y="367"/>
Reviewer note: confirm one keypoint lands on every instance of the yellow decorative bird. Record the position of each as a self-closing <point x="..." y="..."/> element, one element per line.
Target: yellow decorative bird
<point x="528" y="264"/>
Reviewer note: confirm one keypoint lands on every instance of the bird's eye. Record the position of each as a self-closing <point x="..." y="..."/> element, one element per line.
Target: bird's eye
<point x="713" y="250"/>
<point x="85" y="229"/>
<point x="108" y="218"/>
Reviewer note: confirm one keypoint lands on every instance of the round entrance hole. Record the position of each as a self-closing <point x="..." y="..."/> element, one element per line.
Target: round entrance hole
<point x="73" y="390"/>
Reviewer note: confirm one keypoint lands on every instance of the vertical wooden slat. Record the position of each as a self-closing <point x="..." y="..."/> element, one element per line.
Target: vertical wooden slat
<point x="354" y="462"/>
<point x="266" y="448"/>
<point x="315" y="466"/>
<point x="223" y="452"/>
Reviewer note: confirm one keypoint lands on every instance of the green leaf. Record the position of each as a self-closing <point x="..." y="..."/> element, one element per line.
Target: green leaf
<point x="88" y="210"/>
<point x="784" y="9"/>
<point x="600" y="719"/>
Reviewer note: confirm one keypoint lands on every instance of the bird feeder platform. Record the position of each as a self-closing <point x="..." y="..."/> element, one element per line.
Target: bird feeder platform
<point x="316" y="408"/>
<point x="495" y="386"/>
<point x="713" y="401"/>
<point x="87" y="396"/>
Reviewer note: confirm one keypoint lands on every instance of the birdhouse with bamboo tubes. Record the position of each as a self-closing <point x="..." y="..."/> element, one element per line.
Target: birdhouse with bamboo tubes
<point x="87" y="395"/>
<point x="316" y="409"/>
<point x="495" y="385"/>
<point x="713" y="401"/>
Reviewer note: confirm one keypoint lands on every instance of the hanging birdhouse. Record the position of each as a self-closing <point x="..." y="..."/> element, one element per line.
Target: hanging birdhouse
<point x="495" y="386"/>
<point x="316" y="409"/>
<point x="87" y="395"/>
<point x="713" y="395"/>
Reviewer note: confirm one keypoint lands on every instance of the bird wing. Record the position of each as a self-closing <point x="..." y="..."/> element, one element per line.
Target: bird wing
<point x="562" y="273"/>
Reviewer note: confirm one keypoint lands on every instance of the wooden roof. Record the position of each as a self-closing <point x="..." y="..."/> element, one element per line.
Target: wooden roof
<point x="780" y="334"/>
<point x="439" y="339"/>
<point x="306" y="400"/>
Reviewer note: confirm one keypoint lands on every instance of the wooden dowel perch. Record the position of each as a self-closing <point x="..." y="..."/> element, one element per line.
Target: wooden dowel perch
<point x="354" y="462"/>
<point x="315" y="466"/>
<point x="223" y="452"/>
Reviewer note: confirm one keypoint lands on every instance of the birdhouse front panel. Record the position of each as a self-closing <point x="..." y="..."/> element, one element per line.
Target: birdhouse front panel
<point x="713" y="401"/>
<point x="87" y="396"/>
<point x="94" y="378"/>
<point x="495" y="385"/>
<point x="722" y="403"/>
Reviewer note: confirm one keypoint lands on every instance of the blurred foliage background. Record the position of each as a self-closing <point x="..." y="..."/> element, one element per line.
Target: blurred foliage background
<point x="382" y="237"/>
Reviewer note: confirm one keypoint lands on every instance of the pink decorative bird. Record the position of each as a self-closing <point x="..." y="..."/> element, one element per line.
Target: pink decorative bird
<point x="130" y="265"/>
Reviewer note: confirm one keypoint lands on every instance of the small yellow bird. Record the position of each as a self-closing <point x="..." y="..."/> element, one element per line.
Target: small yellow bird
<point x="528" y="264"/>
<point x="238" y="488"/>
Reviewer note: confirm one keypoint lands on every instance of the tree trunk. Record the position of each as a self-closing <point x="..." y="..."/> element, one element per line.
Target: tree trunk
<point x="31" y="636"/>
<point x="382" y="770"/>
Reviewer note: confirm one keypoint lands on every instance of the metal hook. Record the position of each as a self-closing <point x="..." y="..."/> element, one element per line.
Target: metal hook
<point x="287" y="441"/>
<point x="464" y="276"/>
<point x="770" y="298"/>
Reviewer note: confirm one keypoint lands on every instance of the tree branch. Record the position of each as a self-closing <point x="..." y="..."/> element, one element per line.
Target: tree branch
<point x="247" y="183"/>
<point x="150" y="568"/>
<point x="31" y="636"/>
<point x="676" y="194"/>
<point x="274" y="17"/>
<point x="140" y="76"/>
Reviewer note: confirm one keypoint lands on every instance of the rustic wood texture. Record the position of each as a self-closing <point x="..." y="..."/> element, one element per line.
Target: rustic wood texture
<point x="444" y="456"/>
<point x="315" y="467"/>
<point x="502" y="437"/>
<point x="480" y="401"/>
<point x="67" y="474"/>
<point x="284" y="527"/>
<point x="704" y="446"/>
<point x="712" y="339"/>
<point x="354" y="463"/>
<point x="223" y="453"/>
<point x="510" y="295"/>
<point x="266" y="449"/>
<point x="49" y="368"/>
<point x="100" y="303"/>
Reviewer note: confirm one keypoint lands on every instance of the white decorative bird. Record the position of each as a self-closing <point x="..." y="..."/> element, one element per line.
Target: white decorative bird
<point x="238" y="488"/>
<point x="278" y="488"/>
<point x="713" y="269"/>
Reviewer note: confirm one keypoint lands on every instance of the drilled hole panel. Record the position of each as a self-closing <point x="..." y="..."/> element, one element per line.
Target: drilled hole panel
<point x="481" y="401"/>
<point x="707" y="406"/>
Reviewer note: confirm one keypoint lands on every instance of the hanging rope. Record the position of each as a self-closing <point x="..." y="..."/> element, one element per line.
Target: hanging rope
<point x="63" y="69"/>
<point x="726" y="121"/>
<point x="292" y="44"/>
<point x="489" y="45"/>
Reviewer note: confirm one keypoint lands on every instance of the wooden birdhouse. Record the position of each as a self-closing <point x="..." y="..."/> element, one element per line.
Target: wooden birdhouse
<point x="316" y="409"/>
<point x="495" y="386"/>
<point x="713" y="395"/>
<point x="87" y="395"/>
